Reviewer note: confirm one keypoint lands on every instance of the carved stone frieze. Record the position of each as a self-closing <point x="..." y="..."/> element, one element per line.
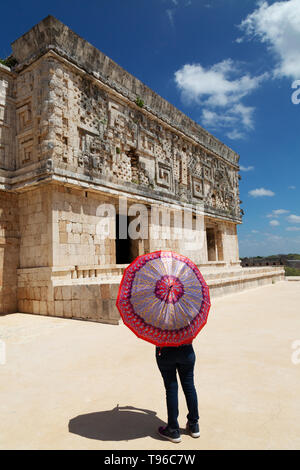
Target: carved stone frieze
<point x="81" y="124"/>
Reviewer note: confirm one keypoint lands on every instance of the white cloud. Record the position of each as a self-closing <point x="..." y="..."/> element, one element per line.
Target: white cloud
<point x="292" y="187"/>
<point x="220" y="89"/>
<point x="294" y="218"/>
<point x="277" y="213"/>
<point x="235" y="134"/>
<point x="272" y="236"/>
<point x="215" y="84"/>
<point x="246" y="168"/>
<point x="217" y="120"/>
<point x="278" y="26"/>
<point x="260" y="192"/>
<point x="173" y="7"/>
<point x="275" y="238"/>
<point x="269" y="244"/>
<point x="213" y="119"/>
<point x="170" y="15"/>
<point x="274" y="223"/>
<point x="293" y="229"/>
<point x="246" y="114"/>
<point x="280" y="211"/>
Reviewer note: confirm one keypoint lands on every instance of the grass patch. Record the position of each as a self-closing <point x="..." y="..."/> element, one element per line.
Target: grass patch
<point x="9" y="61"/>
<point x="139" y="102"/>
<point x="291" y="271"/>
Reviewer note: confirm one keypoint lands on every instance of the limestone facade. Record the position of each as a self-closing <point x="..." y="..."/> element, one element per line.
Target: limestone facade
<point x="77" y="132"/>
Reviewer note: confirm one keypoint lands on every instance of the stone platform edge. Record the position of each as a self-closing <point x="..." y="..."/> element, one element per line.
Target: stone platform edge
<point x="90" y="293"/>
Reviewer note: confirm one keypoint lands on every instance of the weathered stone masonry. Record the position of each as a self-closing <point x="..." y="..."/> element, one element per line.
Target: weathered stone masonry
<point x="77" y="131"/>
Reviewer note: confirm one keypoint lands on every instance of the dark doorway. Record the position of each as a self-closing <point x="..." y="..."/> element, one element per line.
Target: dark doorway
<point x="211" y="244"/>
<point x="126" y="248"/>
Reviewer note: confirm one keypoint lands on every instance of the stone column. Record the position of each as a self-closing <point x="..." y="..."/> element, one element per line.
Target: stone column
<point x="219" y="244"/>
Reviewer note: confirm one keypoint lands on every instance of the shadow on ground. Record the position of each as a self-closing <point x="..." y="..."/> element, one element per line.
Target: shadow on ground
<point x="119" y="424"/>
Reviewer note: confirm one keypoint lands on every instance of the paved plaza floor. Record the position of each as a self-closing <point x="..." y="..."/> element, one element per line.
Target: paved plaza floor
<point x="69" y="384"/>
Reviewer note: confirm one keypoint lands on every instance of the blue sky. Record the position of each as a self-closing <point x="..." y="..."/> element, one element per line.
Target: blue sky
<point x="228" y="64"/>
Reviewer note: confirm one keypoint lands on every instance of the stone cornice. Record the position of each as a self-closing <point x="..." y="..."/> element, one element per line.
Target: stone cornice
<point x="41" y="175"/>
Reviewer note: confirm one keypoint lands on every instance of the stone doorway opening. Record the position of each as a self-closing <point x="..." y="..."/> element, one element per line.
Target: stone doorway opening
<point x="127" y="249"/>
<point x="211" y="244"/>
<point x="214" y="239"/>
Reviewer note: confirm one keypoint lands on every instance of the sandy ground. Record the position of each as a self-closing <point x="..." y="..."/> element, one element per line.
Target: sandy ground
<point x="70" y="384"/>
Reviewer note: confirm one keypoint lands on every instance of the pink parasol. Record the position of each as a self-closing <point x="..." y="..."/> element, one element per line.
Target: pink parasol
<point x="163" y="298"/>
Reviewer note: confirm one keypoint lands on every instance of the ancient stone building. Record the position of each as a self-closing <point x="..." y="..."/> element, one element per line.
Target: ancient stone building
<point x="76" y="132"/>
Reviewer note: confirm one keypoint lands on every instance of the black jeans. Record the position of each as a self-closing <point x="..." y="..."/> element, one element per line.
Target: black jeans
<point x="181" y="359"/>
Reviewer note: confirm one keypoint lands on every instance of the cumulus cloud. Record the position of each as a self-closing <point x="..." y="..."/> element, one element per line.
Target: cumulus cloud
<point x="293" y="229"/>
<point x="220" y="89"/>
<point x="294" y="219"/>
<point x="260" y="192"/>
<point x="278" y="26"/>
<point x="246" y="168"/>
<point x="274" y="223"/>
<point x="216" y="84"/>
<point x="277" y="213"/>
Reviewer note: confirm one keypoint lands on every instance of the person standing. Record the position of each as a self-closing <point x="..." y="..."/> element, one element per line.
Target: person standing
<point x="171" y="360"/>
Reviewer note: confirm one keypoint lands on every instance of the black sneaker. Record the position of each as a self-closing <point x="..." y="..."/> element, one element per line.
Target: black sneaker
<point x="193" y="429"/>
<point x="173" y="436"/>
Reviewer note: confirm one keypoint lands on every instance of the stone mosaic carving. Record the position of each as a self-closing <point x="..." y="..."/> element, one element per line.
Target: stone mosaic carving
<point x="70" y="121"/>
<point x="99" y="135"/>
